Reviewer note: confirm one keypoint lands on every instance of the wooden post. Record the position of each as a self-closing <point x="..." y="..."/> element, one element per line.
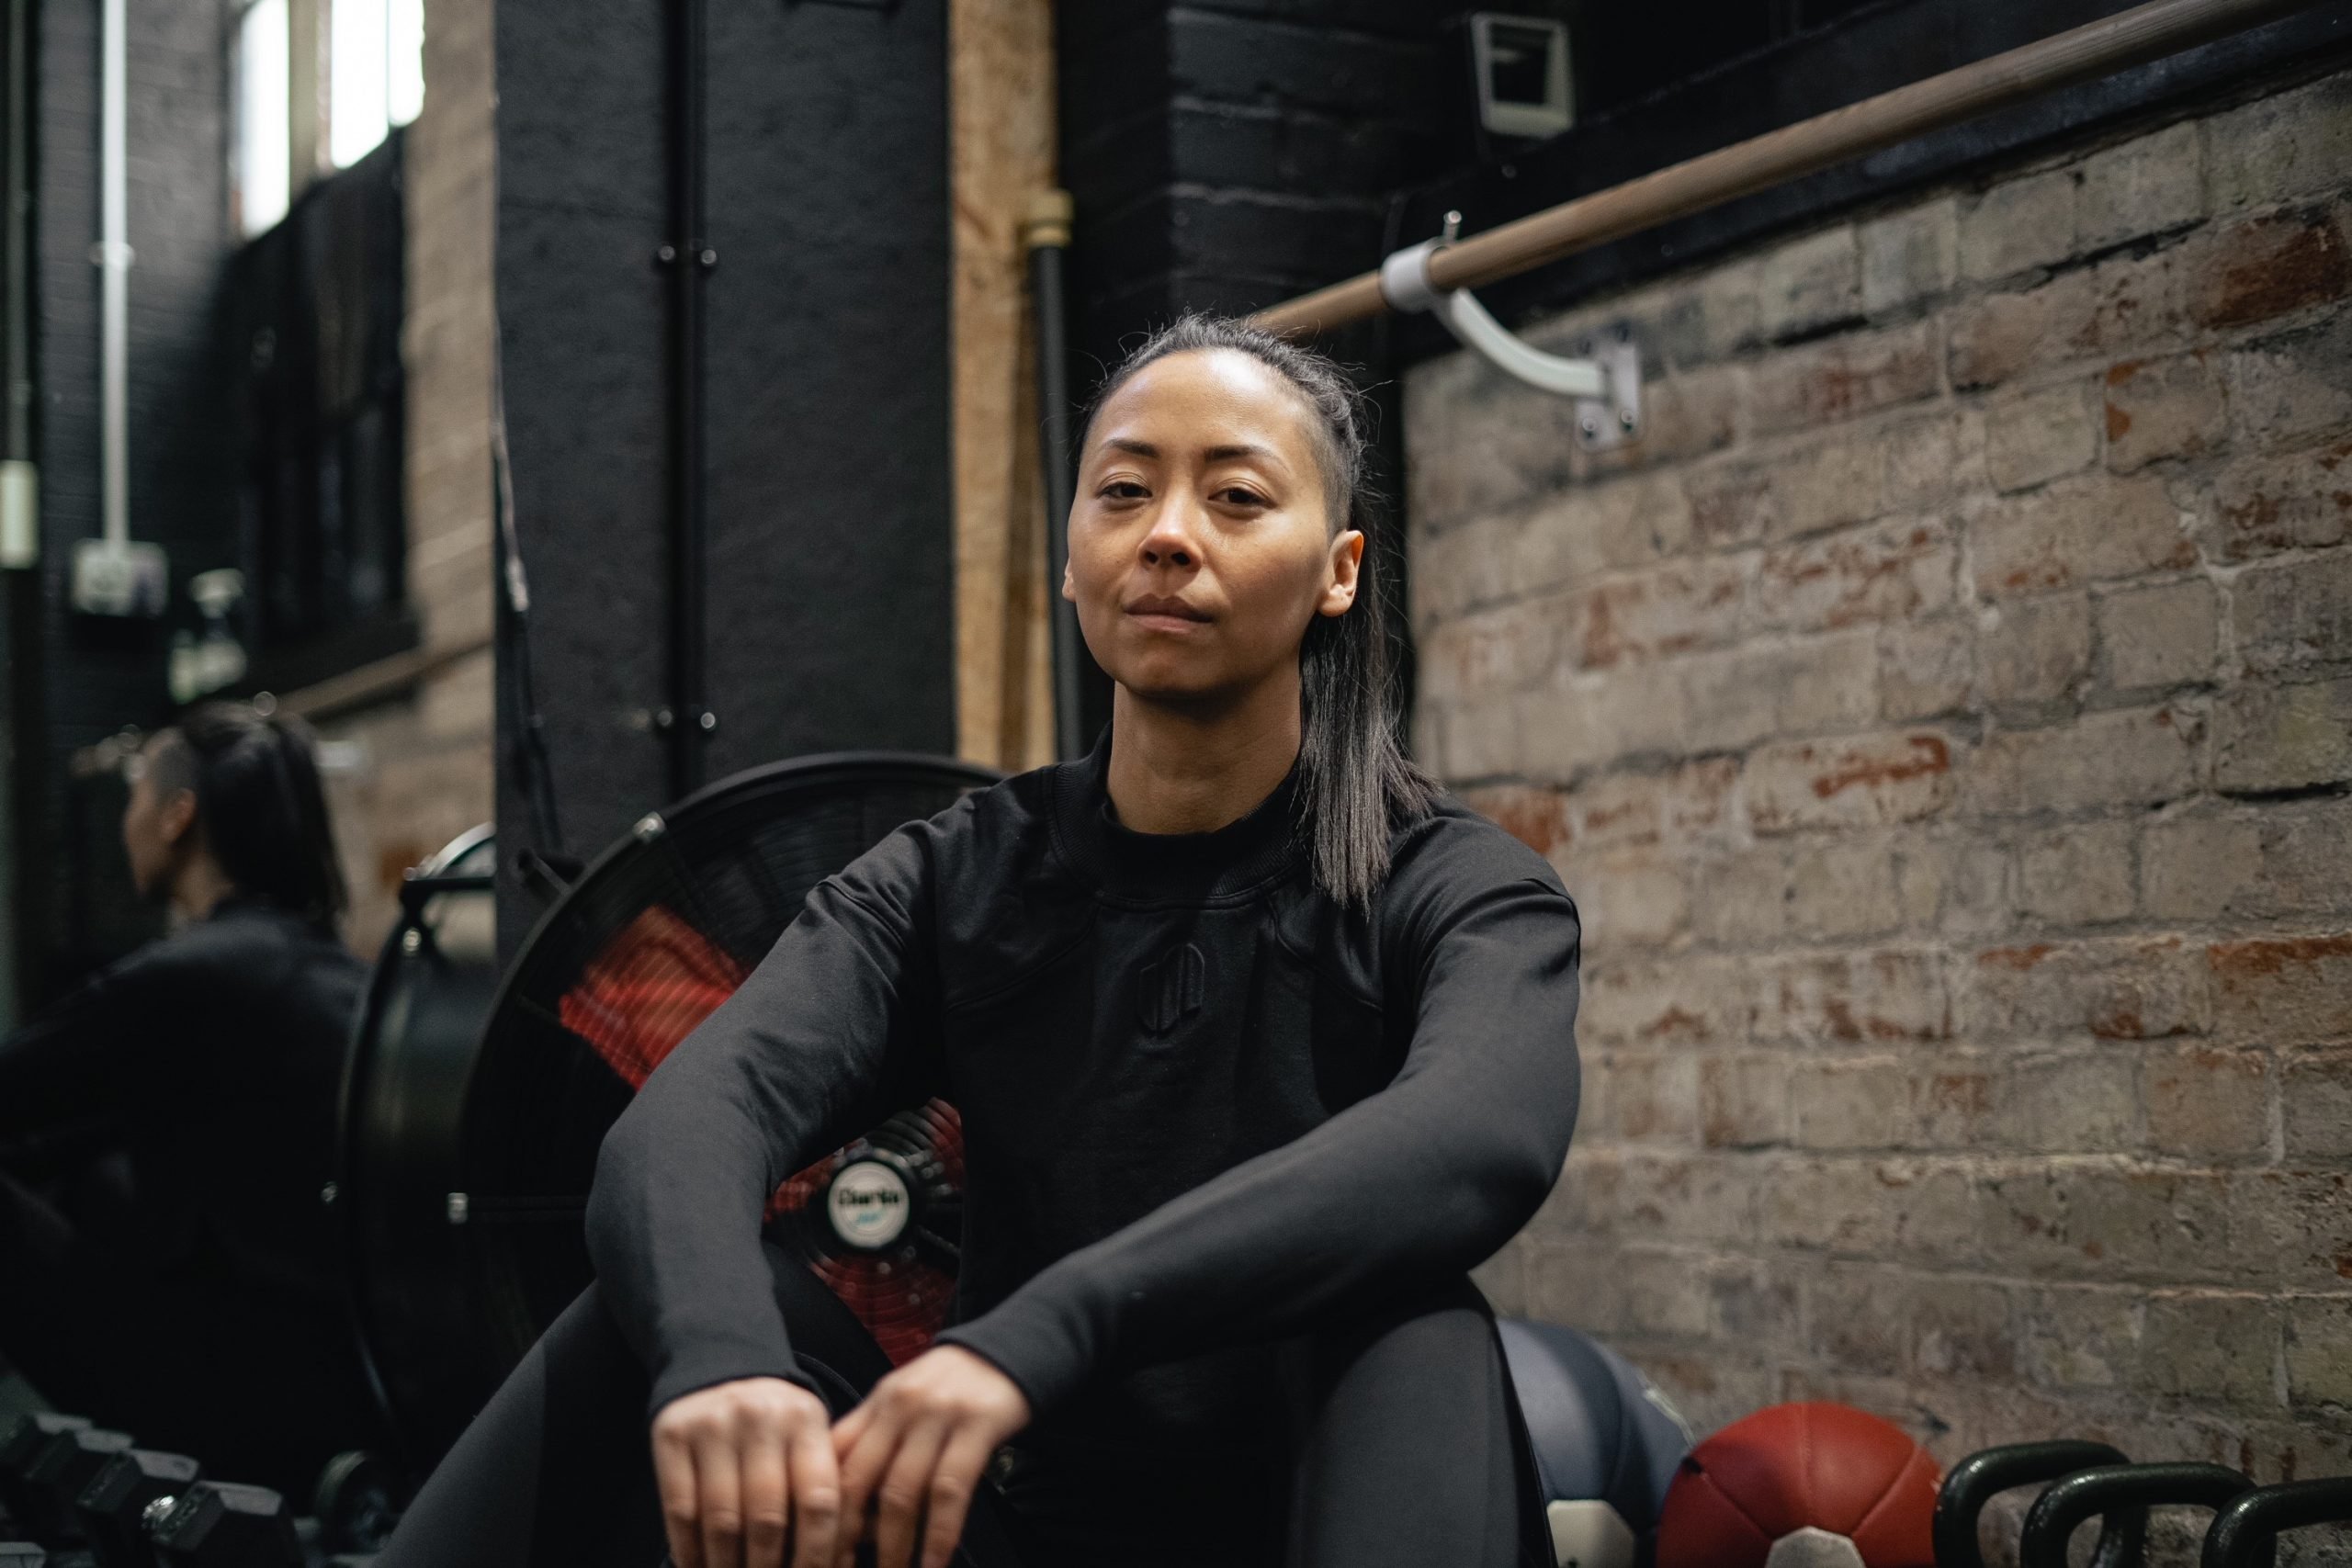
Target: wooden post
<point x="1000" y="85"/>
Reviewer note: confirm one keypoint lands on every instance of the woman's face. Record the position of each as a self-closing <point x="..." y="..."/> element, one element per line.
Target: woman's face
<point x="1199" y="541"/>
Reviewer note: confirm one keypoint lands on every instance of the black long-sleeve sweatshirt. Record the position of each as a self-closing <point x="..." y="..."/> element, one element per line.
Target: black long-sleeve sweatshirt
<point x="1204" y="1107"/>
<point x="214" y="1056"/>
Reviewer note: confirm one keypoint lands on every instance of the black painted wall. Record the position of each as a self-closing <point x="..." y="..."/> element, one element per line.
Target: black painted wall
<point x="830" y="621"/>
<point x="78" y="679"/>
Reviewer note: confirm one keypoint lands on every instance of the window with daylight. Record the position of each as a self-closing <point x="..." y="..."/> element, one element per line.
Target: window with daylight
<point x="375" y="80"/>
<point x="261" y="145"/>
<point x="292" y="125"/>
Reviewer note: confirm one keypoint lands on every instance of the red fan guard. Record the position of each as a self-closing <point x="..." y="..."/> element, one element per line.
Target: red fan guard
<point x="647" y="991"/>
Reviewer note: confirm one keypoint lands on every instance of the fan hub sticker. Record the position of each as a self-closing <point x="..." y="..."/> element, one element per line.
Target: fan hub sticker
<point x="869" y="1205"/>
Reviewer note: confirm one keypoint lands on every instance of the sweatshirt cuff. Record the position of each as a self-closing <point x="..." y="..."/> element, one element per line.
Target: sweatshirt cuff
<point x="1028" y="1347"/>
<point x="691" y="1373"/>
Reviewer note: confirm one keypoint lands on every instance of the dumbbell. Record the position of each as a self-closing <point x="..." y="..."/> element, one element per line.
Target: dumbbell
<point x="114" y="1506"/>
<point x="2096" y="1492"/>
<point x="65" y="1464"/>
<point x="219" y="1524"/>
<point x="22" y="1440"/>
<point x="1976" y="1480"/>
<point x="2245" y="1531"/>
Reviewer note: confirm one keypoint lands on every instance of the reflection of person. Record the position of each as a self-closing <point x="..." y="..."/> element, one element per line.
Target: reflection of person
<point x="191" y="1300"/>
<point x="1260" y="1044"/>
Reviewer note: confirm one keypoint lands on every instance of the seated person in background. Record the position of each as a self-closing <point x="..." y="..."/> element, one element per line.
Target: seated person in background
<point x="197" y="1309"/>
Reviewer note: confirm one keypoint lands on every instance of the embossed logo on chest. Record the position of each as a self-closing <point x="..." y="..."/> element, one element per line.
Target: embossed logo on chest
<point x="1169" y="988"/>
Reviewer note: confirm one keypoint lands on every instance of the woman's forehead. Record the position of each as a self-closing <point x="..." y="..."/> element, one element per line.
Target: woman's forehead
<point x="1216" y="397"/>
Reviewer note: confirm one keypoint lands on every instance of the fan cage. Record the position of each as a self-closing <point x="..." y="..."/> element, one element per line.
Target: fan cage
<point x="656" y="932"/>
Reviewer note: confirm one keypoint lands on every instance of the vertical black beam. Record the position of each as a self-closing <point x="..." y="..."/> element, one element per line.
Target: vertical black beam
<point x="688" y="721"/>
<point x="20" y="662"/>
<point x="1048" y="233"/>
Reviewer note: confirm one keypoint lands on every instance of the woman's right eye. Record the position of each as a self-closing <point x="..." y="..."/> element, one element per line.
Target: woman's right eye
<point x="1122" y="489"/>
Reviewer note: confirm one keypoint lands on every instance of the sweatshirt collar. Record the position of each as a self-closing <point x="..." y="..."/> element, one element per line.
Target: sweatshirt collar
<point x="1243" y="855"/>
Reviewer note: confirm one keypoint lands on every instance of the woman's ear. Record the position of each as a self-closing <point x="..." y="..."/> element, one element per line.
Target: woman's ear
<point x="1347" y="564"/>
<point x="175" y="816"/>
<point x="1069" y="584"/>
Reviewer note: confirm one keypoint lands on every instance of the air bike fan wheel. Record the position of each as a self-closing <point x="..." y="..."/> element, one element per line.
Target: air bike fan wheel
<point x="657" y="932"/>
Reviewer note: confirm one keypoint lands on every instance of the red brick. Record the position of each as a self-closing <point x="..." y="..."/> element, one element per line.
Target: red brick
<point x="2120" y="988"/>
<point x="2266" y="266"/>
<point x="2034" y="650"/>
<point x="2094" y="1218"/>
<point x="2119" y="757"/>
<point x="1692" y="999"/>
<point x="1652" y="1098"/>
<point x="2128" y="305"/>
<point x="1842" y="377"/>
<point x="1830" y="486"/>
<point x="2079" y="530"/>
<point x="1676" y="608"/>
<point x="2294" y="501"/>
<point x="1871" y="779"/>
<point x="2158" y="636"/>
<point x="1889" y="996"/>
<point x="2160" y="409"/>
<point x="1535" y="816"/>
<point x="1505" y="648"/>
<point x="2038" y="436"/>
<point x="1743" y="1101"/>
<point x="2316" y="1098"/>
<point x="1885" y="571"/>
<point x="2283" y="989"/>
<point x="2210" y="1104"/>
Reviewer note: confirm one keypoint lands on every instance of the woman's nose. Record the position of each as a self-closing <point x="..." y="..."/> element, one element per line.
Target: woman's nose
<point x="1170" y="540"/>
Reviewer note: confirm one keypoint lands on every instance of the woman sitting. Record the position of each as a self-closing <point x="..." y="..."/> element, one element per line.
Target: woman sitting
<point x="1260" y="1043"/>
<point x="184" y="1289"/>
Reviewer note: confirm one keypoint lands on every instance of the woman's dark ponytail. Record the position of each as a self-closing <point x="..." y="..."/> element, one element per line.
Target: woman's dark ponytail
<point x="260" y="803"/>
<point x="1357" y="786"/>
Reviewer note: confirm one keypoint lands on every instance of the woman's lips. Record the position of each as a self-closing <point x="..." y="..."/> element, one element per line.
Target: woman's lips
<point x="1166" y="613"/>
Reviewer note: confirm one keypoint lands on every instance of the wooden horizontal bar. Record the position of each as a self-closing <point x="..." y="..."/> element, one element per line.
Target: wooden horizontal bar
<point x="2096" y="48"/>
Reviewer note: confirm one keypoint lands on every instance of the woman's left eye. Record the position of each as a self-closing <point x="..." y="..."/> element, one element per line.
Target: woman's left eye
<point x="1238" y="496"/>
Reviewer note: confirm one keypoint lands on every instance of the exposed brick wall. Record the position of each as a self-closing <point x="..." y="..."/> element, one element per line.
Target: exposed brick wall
<point x="1944" y="720"/>
<point x="424" y="763"/>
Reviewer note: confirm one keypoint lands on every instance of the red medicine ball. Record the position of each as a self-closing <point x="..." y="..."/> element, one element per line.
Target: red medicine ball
<point x="1802" y="1486"/>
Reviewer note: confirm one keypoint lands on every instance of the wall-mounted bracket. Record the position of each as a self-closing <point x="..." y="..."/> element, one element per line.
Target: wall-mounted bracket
<point x="1605" y="380"/>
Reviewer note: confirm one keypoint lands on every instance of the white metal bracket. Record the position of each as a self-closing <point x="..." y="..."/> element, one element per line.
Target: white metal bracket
<point x="1605" y="380"/>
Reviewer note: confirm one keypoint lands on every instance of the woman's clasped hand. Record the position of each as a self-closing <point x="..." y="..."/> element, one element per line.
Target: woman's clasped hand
<point x="755" y="1474"/>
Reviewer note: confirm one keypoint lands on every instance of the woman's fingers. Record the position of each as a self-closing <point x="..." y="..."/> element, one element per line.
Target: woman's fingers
<point x="766" y="1495"/>
<point x="719" y="1487"/>
<point x="954" y="1476"/>
<point x="674" y="1479"/>
<point x="871" y="1443"/>
<point x="903" y="1494"/>
<point x="816" y="1483"/>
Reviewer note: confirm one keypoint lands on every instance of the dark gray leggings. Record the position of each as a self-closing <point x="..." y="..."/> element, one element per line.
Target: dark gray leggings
<point x="1404" y="1452"/>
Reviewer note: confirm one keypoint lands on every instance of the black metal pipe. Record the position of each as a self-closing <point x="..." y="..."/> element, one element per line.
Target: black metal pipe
<point x="1047" y="235"/>
<point x="689" y="721"/>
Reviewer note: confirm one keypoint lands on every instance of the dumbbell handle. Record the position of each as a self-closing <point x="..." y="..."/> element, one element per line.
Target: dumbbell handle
<point x="2087" y="1493"/>
<point x="1974" y="1481"/>
<point x="2245" y="1533"/>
